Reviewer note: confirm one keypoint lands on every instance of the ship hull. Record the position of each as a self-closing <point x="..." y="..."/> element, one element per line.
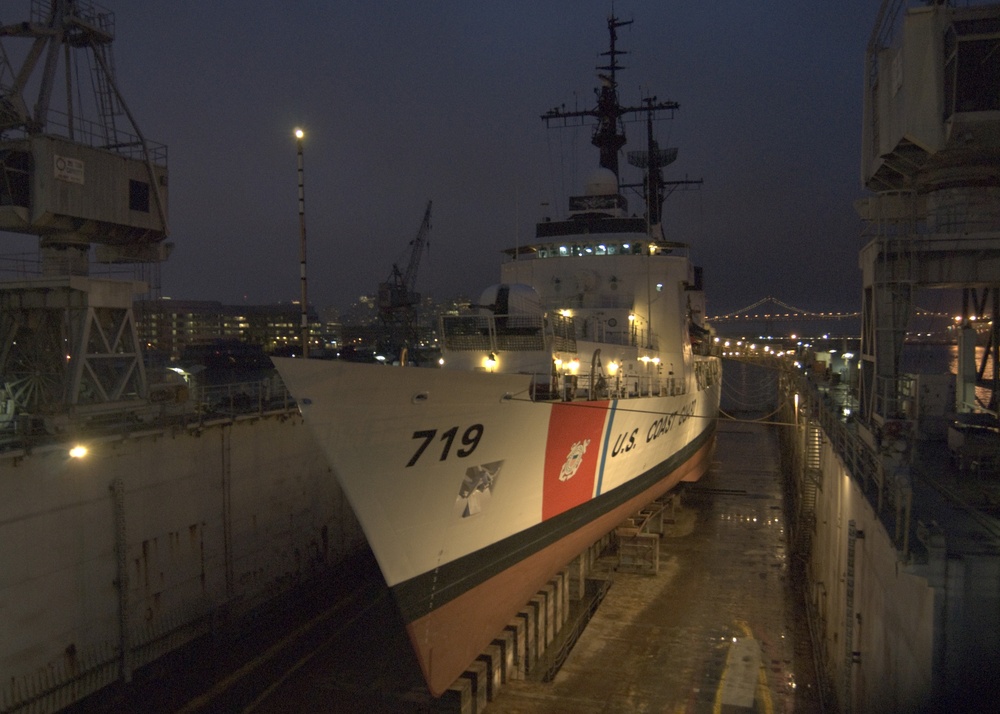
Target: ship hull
<point x="448" y="638"/>
<point x="472" y="495"/>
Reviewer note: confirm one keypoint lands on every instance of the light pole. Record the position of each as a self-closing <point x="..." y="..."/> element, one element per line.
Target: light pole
<point x="304" y="324"/>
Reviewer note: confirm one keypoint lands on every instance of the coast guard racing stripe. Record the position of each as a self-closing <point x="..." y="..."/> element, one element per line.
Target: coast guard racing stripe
<point x="574" y="443"/>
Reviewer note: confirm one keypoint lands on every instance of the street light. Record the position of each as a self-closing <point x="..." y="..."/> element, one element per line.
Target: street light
<point x="304" y="320"/>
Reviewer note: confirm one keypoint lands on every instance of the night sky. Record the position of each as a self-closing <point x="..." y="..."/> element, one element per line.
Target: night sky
<point x="409" y="102"/>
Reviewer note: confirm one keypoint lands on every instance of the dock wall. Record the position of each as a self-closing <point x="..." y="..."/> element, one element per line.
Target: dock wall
<point x="152" y="539"/>
<point x="904" y="607"/>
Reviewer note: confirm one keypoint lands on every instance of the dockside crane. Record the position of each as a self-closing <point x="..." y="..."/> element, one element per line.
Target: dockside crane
<point x="398" y="298"/>
<point x="76" y="172"/>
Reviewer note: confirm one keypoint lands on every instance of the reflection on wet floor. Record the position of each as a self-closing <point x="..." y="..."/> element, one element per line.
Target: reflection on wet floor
<point x="720" y="626"/>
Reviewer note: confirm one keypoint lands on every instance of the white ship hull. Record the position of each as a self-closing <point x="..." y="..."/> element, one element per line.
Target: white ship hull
<point x="472" y="496"/>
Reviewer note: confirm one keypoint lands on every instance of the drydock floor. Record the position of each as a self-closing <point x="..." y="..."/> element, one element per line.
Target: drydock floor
<point x="720" y="627"/>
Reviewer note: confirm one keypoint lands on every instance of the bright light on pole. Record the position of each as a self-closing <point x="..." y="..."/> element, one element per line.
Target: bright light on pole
<point x="299" y="136"/>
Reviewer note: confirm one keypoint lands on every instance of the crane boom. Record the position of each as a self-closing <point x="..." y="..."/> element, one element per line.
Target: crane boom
<point x="410" y="276"/>
<point x="398" y="298"/>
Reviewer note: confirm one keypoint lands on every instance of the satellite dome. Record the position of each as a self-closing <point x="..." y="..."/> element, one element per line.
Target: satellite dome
<point x="602" y="182"/>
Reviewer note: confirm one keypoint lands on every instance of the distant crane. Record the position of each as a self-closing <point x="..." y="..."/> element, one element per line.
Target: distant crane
<point x="398" y="298"/>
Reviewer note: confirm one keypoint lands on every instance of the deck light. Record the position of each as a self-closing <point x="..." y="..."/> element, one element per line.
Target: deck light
<point x="612" y="367"/>
<point x="78" y="451"/>
<point x="490" y="361"/>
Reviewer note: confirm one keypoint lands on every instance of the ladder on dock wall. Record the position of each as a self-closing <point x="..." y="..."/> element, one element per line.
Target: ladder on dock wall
<point x="809" y="485"/>
<point x="850" y="655"/>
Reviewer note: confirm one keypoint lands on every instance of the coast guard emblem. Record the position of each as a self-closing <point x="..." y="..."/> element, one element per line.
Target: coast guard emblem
<point x="573" y="460"/>
<point x="572" y="450"/>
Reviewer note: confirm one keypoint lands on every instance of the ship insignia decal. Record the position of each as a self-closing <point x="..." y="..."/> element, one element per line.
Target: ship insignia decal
<point x="477" y="488"/>
<point x="573" y="460"/>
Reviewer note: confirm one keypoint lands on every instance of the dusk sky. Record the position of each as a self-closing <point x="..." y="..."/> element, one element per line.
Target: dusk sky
<point x="409" y="102"/>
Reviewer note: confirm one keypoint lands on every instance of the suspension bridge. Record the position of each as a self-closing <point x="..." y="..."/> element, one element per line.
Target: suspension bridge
<point x="773" y="316"/>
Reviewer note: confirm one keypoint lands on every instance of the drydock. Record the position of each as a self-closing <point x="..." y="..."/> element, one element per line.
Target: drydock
<point x="168" y="548"/>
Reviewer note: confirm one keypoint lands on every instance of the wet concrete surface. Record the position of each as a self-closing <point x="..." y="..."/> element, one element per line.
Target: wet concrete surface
<point x="663" y="643"/>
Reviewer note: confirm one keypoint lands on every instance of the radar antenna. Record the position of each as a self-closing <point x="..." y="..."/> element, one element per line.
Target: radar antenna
<point x="609" y="132"/>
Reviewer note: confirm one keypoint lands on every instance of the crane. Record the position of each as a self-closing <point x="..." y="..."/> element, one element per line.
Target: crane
<point x="398" y="298"/>
<point x="75" y="171"/>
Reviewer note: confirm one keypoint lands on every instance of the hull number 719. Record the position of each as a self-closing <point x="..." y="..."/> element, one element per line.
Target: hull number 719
<point x="470" y="440"/>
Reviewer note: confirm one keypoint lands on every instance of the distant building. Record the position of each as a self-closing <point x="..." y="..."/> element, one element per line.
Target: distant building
<point x="168" y="326"/>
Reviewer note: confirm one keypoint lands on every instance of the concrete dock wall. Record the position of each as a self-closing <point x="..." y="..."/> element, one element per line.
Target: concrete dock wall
<point x="112" y="560"/>
<point x="902" y="574"/>
<point x="879" y="649"/>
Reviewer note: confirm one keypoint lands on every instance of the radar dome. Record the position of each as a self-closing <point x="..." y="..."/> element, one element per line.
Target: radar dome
<point x="602" y="182"/>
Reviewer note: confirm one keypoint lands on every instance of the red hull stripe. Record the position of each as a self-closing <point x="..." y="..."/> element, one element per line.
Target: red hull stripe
<point x="571" y="451"/>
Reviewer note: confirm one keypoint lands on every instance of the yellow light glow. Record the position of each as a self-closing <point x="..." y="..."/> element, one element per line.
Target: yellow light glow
<point x="566" y="313"/>
<point x="490" y="361"/>
<point x="574" y="365"/>
<point x="656" y="360"/>
<point x="78" y="451"/>
<point x="644" y="358"/>
<point x="558" y="362"/>
<point x="299" y="133"/>
<point x="631" y="317"/>
<point x="612" y="367"/>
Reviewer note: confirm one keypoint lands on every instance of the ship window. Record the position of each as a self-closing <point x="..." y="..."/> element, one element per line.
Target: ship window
<point x="563" y="250"/>
<point x="138" y="196"/>
<point x="601" y="250"/>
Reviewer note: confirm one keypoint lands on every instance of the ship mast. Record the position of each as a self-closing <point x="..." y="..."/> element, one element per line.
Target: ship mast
<point x="609" y="132"/>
